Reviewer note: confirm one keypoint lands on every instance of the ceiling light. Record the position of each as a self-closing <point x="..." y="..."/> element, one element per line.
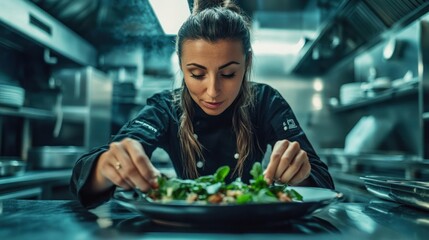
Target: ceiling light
<point x="170" y="14"/>
<point x="318" y="85"/>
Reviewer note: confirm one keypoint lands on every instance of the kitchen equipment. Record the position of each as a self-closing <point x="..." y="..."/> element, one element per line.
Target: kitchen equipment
<point x="9" y="167"/>
<point x="377" y="86"/>
<point x="83" y="109"/>
<point x="54" y="157"/>
<point x="11" y="96"/>
<point x="181" y="213"/>
<point x="36" y="26"/>
<point x="351" y="92"/>
<point x="409" y="192"/>
<point x="367" y="134"/>
<point x="393" y="49"/>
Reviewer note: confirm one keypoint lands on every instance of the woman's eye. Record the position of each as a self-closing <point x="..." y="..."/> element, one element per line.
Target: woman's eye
<point x="197" y="76"/>
<point x="228" y="75"/>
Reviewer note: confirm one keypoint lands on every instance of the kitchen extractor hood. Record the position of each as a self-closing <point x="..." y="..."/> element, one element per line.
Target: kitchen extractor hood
<point x="356" y="26"/>
<point x="22" y="23"/>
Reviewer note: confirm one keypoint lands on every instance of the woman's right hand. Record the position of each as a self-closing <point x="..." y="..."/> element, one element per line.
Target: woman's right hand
<point x="125" y="164"/>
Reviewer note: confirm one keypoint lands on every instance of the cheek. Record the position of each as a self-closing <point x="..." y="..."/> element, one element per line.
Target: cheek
<point x="237" y="89"/>
<point x="237" y="86"/>
<point x="193" y="87"/>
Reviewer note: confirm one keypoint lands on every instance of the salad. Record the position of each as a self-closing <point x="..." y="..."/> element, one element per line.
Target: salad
<point x="212" y="189"/>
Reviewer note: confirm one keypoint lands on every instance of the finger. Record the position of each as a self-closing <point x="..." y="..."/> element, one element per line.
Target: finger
<point x="294" y="167"/>
<point x="111" y="173"/>
<point x="287" y="158"/>
<point x="302" y="174"/>
<point x="128" y="170"/>
<point x="142" y="163"/>
<point x="275" y="157"/>
<point x="121" y="173"/>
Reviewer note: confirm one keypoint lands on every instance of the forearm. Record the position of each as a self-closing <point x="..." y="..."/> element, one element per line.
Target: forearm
<point x="98" y="183"/>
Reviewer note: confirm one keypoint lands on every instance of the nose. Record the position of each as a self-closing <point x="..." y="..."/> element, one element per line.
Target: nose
<point x="213" y="87"/>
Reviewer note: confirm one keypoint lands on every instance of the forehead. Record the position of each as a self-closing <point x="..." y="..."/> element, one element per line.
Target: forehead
<point x="202" y="51"/>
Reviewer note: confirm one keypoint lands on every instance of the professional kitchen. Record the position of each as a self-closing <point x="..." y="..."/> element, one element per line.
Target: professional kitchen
<point x="208" y="119"/>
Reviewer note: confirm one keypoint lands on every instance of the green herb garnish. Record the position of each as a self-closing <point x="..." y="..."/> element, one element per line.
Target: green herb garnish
<point x="213" y="189"/>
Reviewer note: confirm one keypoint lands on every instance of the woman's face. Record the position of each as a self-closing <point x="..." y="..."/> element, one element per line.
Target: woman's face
<point x="213" y="72"/>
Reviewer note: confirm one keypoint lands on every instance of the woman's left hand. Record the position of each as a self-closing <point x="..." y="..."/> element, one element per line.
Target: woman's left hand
<point x="288" y="164"/>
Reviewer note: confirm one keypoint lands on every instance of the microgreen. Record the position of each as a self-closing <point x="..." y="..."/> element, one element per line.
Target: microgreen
<point x="202" y="188"/>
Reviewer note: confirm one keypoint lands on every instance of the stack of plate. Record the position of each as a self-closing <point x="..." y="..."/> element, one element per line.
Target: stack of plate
<point x="11" y="96"/>
<point x="351" y="92"/>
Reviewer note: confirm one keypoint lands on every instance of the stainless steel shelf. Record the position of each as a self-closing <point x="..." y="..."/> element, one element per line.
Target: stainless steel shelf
<point x="383" y="164"/>
<point x="388" y="95"/>
<point x="32" y="113"/>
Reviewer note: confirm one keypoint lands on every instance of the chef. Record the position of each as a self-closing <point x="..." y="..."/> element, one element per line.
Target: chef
<point x="218" y="117"/>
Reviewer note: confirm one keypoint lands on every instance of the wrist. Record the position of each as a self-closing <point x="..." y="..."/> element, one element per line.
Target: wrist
<point x="99" y="182"/>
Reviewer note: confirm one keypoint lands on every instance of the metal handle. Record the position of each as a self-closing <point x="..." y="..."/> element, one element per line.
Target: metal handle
<point x="60" y="115"/>
<point x="77" y="81"/>
<point x="40" y="24"/>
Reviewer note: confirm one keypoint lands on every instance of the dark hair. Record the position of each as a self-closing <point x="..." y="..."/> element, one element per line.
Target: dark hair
<point x="213" y="21"/>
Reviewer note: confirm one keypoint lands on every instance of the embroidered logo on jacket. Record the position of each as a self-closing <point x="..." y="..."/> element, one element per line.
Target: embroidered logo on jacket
<point x="147" y="126"/>
<point x="289" y="124"/>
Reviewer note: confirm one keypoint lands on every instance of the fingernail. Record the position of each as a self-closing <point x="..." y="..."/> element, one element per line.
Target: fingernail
<point x="267" y="180"/>
<point x="154" y="182"/>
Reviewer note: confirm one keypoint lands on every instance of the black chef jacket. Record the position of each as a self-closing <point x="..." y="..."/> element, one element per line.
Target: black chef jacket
<point x="157" y="124"/>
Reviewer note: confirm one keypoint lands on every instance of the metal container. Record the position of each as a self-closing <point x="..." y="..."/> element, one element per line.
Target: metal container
<point x="11" y="167"/>
<point x="54" y="157"/>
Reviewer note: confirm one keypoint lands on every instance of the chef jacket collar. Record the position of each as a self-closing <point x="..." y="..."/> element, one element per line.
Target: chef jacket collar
<point x="224" y="117"/>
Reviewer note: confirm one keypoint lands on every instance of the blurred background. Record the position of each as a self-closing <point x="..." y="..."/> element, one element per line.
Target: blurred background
<point x="72" y="72"/>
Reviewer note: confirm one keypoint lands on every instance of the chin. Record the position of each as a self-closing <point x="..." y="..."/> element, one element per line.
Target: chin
<point x="213" y="112"/>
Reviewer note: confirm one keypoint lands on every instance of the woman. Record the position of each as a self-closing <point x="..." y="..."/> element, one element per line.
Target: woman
<point x="216" y="118"/>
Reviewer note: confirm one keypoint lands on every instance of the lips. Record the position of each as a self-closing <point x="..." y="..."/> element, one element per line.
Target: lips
<point x="212" y="105"/>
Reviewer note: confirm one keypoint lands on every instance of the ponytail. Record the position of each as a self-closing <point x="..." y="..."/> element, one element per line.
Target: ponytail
<point x="201" y="5"/>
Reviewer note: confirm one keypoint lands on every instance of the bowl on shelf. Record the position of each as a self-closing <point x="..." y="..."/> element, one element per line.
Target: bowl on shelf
<point x="11" y="167"/>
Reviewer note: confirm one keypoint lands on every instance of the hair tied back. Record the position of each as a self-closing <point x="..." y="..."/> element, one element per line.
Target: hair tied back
<point x="200" y="5"/>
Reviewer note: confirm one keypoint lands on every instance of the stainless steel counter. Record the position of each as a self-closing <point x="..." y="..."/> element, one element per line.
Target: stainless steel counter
<point x="35" y="177"/>
<point x="29" y="219"/>
<point x="43" y="184"/>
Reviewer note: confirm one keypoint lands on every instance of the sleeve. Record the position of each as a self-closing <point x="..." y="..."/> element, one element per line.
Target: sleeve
<point x="149" y="128"/>
<point x="279" y="122"/>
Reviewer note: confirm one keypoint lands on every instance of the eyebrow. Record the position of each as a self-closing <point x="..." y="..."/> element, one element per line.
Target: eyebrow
<point x="223" y="66"/>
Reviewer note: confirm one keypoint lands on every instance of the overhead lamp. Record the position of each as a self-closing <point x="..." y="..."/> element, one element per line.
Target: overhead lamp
<point x="170" y="14"/>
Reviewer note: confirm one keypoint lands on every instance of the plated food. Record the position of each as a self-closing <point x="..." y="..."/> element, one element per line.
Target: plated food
<point x="209" y="200"/>
<point x="212" y="189"/>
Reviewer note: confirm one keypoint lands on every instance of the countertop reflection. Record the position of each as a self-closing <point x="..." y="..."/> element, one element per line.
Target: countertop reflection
<point x="36" y="219"/>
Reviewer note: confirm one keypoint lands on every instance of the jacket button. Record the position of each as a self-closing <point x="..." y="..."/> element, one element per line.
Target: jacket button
<point x="200" y="164"/>
<point x="236" y="155"/>
<point x="195" y="136"/>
